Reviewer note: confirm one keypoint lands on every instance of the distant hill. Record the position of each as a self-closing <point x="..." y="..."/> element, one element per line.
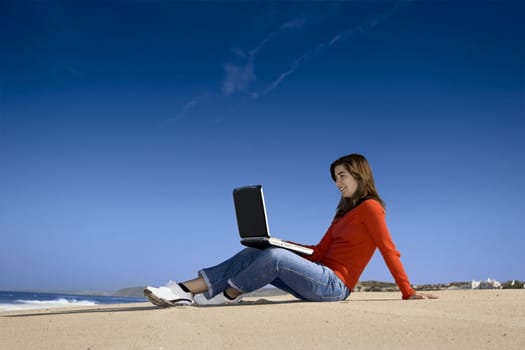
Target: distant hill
<point x="131" y="292"/>
<point x="365" y="286"/>
<point x="377" y="286"/>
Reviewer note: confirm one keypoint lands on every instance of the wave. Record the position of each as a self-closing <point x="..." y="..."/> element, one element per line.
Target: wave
<point x="45" y="304"/>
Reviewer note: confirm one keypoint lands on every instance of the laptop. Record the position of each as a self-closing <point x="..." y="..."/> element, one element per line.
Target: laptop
<point x="253" y="223"/>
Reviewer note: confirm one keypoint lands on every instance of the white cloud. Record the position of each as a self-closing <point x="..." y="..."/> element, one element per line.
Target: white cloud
<point x="241" y="77"/>
<point x="238" y="78"/>
<point x="297" y="23"/>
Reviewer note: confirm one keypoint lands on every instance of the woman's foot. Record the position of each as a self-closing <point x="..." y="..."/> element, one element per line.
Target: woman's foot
<point x="169" y="295"/>
<point x="219" y="299"/>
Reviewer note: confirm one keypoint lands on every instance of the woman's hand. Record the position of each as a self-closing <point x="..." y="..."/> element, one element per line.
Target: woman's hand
<point x="423" y="296"/>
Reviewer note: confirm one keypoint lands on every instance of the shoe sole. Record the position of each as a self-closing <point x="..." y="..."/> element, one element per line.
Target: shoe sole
<point x="155" y="300"/>
<point x="202" y="301"/>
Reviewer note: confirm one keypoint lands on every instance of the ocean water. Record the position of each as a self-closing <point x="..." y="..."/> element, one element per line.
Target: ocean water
<point x="36" y="300"/>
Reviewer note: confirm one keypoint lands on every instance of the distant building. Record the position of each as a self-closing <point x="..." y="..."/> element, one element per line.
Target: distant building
<point x="488" y="284"/>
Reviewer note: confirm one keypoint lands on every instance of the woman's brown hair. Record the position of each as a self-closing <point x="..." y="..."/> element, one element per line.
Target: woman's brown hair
<point x="359" y="168"/>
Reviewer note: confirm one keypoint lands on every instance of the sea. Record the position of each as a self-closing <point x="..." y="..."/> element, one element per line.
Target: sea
<point x="36" y="300"/>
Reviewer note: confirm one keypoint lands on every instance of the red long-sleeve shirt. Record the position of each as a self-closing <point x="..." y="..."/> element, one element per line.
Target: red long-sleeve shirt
<point x="351" y="241"/>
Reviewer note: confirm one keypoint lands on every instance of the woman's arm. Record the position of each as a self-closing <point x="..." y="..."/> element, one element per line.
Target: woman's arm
<point x="375" y="223"/>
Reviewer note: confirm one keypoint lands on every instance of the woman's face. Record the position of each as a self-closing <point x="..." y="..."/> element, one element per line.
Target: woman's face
<point x="344" y="181"/>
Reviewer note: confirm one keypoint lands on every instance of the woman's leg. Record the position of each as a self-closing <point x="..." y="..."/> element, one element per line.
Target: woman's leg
<point x="198" y="286"/>
<point x="252" y="269"/>
<point x="286" y="270"/>
<point x="195" y="286"/>
<point x="216" y="278"/>
<point x="211" y="282"/>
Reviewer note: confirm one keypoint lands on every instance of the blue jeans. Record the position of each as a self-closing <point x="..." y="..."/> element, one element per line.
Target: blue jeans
<point x="251" y="269"/>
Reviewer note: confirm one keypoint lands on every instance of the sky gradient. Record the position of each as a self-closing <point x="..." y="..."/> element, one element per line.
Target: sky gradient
<point x="125" y="125"/>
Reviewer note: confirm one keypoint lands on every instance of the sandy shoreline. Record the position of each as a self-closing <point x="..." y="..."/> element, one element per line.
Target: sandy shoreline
<point x="465" y="319"/>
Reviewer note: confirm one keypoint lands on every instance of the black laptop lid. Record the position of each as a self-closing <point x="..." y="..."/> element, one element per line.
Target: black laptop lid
<point x="250" y="211"/>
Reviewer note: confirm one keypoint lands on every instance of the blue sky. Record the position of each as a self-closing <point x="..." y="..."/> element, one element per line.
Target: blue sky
<point x="125" y="125"/>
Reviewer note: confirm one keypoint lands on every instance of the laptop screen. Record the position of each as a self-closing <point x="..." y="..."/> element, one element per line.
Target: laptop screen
<point x="250" y="211"/>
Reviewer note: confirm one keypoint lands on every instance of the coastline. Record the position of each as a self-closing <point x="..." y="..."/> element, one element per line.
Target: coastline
<point x="17" y="300"/>
<point x="460" y="319"/>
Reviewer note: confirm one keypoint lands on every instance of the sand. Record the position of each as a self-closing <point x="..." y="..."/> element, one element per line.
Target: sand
<point x="463" y="319"/>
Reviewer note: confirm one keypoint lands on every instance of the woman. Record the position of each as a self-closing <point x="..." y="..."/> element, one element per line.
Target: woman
<point x="329" y="274"/>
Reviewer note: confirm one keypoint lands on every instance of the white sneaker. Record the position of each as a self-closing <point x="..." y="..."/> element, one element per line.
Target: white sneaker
<point x="219" y="299"/>
<point x="169" y="295"/>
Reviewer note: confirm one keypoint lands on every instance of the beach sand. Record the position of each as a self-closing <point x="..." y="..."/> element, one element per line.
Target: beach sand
<point x="462" y="319"/>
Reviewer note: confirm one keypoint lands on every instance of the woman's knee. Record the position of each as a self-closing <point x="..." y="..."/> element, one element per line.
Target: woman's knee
<point x="277" y="254"/>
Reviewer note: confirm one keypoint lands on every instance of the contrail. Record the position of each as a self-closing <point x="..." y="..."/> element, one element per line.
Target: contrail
<point x="360" y="29"/>
<point x="240" y="77"/>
